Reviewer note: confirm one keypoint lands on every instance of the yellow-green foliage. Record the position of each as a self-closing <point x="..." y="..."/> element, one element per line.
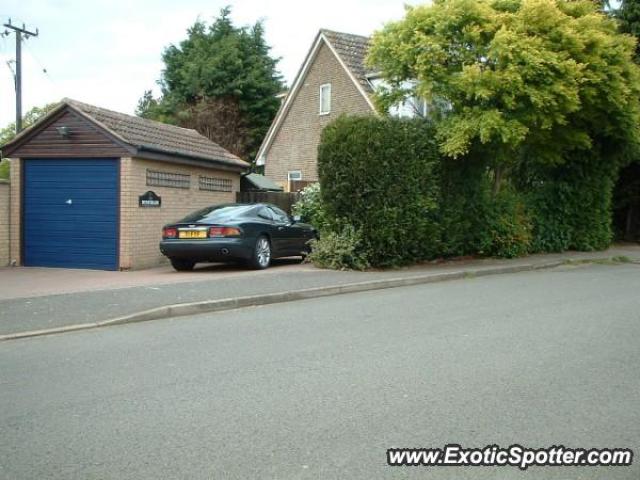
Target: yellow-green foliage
<point x="544" y="92"/>
<point x="549" y="75"/>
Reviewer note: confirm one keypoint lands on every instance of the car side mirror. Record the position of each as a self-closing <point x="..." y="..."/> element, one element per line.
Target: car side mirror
<point x="296" y="218"/>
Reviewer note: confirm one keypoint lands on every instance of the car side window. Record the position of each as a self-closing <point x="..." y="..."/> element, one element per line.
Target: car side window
<point x="265" y="213"/>
<point x="279" y="215"/>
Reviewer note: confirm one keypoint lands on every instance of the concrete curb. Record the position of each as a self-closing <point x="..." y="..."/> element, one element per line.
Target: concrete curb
<point x="207" y="306"/>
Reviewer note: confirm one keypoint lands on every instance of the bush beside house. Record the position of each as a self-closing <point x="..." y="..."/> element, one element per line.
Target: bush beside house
<point x="387" y="196"/>
<point x="381" y="178"/>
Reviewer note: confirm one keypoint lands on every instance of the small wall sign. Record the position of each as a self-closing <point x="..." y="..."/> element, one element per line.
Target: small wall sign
<point x="149" y="199"/>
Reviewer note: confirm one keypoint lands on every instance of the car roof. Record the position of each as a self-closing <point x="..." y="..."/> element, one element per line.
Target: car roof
<point x="244" y="204"/>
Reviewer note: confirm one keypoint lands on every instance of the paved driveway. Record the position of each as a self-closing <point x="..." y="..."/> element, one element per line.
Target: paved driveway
<point x="25" y="282"/>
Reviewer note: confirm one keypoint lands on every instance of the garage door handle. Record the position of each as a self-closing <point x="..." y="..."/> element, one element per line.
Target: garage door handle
<point x="69" y="202"/>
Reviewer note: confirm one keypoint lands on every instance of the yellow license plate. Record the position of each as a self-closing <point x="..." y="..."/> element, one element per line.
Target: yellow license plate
<point x="192" y="234"/>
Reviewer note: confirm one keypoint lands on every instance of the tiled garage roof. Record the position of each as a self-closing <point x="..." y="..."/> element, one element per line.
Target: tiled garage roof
<point x="147" y="134"/>
<point x="137" y="136"/>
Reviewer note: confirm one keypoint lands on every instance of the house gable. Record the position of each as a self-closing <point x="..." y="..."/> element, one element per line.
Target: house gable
<point x="291" y="143"/>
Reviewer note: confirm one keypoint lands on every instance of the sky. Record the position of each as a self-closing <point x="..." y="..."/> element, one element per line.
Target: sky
<point x="108" y="52"/>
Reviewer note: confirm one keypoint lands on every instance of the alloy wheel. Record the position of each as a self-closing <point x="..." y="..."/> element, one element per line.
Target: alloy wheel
<point x="263" y="252"/>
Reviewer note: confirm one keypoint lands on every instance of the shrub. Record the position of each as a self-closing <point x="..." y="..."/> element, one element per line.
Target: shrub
<point x="570" y="208"/>
<point x="310" y="207"/>
<point x="4" y="169"/>
<point x="339" y="250"/>
<point x="405" y="202"/>
<point x="508" y="227"/>
<point x="464" y="192"/>
<point x="473" y="220"/>
<point x="381" y="176"/>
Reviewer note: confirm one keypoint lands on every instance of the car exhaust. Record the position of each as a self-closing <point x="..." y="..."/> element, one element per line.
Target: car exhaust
<point x="224" y="251"/>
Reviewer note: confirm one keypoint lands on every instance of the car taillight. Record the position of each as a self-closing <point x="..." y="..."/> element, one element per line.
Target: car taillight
<point x="224" y="232"/>
<point x="170" y="232"/>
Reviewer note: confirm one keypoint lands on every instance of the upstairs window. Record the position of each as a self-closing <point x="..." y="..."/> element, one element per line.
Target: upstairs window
<point x="325" y="99"/>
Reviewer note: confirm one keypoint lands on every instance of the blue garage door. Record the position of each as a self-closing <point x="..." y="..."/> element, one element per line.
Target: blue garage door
<point x="71" y="213"/>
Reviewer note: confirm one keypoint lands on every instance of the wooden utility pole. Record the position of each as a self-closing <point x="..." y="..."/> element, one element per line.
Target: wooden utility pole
<point x="21" y="33"/>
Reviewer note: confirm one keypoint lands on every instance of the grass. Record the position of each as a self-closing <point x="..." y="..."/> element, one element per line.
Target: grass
<point x="617" y="260"/>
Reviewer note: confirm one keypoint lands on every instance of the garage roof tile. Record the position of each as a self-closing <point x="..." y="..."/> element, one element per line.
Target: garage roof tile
<point x="156" y="136"/>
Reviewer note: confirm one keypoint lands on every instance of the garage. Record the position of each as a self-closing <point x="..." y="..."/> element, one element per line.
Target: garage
<point x="92" y="188"/>
<point x="71" y="213"/>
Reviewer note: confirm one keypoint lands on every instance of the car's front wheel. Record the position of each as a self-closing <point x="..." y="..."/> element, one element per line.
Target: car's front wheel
<point x="182" y="265"/>
<point x="261" y="257"/>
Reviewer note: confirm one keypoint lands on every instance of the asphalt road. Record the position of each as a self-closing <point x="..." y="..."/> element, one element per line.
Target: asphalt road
<point x="321" y="388"/>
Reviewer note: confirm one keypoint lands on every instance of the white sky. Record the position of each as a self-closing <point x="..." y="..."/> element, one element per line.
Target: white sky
<point x="107" y="52"/>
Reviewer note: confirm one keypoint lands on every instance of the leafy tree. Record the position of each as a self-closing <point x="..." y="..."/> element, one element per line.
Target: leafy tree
<point x="541" y="80"/>
<point x="9" y="132"/>
<point x="221" y="81"/>
<point x="629" y="16"/>
<point x="148" y="107"/>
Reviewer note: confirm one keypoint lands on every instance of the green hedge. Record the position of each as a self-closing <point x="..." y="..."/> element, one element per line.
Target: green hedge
<point x="381" y="176"/>
<point x="571" y="208"/>
<point x="386" y="189"/>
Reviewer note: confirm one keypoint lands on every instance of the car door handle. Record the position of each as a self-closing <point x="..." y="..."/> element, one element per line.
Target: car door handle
<point x="280" y="228"/>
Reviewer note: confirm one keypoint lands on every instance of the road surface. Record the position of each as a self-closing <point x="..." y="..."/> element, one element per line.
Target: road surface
<point x="320" y="389"/>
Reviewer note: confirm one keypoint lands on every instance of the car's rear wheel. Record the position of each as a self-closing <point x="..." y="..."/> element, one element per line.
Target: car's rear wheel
<point x="261" y="257"/>
<point x="182" y="265"/>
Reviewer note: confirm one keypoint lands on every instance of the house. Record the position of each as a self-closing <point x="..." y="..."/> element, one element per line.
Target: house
<point x="92" y="188"/>
<point x="332" y="80"/>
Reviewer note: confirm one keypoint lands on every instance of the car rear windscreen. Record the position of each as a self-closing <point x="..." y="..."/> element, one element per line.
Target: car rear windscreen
<point x="217" y="214"/>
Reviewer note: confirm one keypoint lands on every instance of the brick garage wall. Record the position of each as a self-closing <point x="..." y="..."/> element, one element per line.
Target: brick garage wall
<point x="4" y="222"/>
<point x="295" y="146"/>
<point x="14" y="216"/>
<point x="140" y="227"/>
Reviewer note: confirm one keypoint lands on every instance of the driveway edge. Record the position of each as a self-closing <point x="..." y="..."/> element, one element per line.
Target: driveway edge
<point x="208" y="306"/>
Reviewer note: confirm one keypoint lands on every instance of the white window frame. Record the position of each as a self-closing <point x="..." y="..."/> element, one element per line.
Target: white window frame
<point x="325" y="87"/>
<point x="298" y="174"/>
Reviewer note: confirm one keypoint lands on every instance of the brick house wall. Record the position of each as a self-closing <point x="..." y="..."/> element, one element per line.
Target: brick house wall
<point x="4" y="222"/>
<point x="295" y="145"/>
<point x="140" y="228"/>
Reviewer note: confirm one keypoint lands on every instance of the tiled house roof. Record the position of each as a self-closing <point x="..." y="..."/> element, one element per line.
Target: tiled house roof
<point x="353" y="52"/>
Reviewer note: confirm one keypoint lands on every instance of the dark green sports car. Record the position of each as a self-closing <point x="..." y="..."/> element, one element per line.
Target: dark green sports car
<point x="251" y="233"/>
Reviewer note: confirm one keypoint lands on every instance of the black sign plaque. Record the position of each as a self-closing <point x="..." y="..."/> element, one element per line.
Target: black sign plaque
<point x="149" y="199"/>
